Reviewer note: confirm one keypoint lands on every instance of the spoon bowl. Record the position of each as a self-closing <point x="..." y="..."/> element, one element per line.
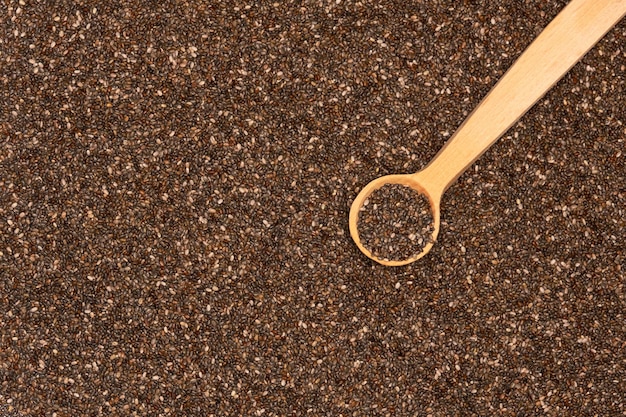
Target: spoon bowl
<point x="412" y="181"/>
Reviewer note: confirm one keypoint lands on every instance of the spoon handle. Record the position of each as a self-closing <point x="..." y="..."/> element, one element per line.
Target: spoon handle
<point x="562" y="43"/>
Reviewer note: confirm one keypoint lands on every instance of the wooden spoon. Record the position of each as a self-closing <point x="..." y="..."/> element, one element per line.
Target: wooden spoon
<point x="562" y="43"/>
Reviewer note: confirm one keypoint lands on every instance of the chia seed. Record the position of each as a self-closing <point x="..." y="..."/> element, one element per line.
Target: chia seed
<point x="395" y="222"/>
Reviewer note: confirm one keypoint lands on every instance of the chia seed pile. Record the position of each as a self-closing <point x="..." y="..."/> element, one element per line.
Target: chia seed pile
<point x="175" y="181"/>
<point x="395" y="222"/>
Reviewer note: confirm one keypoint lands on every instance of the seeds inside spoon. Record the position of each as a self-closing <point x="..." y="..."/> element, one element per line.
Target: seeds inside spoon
<point x="395" y="222"/>
<point x="571" y="34"/>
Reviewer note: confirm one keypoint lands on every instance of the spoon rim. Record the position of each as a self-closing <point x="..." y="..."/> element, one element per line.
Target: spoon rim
<point x="410" y="180"/>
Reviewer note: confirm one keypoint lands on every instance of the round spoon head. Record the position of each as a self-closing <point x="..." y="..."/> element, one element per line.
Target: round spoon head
<point x="410" y="180"/>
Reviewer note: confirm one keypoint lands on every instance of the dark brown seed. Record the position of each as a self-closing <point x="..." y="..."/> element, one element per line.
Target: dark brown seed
<point x="395" y="222"/>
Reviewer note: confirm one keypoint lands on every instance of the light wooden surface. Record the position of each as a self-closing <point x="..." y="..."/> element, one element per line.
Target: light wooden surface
<point x="572" y="33"/>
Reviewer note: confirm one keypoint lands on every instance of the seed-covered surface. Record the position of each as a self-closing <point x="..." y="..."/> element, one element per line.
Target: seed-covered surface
<point x="175" y="180"/>
<point x="395" y="222"/>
